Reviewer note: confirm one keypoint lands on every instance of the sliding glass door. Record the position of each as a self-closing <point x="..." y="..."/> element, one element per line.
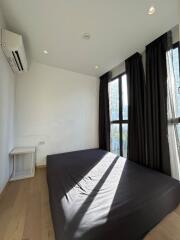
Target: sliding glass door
<point x="118" y="100"/>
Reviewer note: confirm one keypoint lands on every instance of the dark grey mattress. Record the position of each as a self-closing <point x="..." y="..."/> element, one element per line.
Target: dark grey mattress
<point x="96" y="195"/>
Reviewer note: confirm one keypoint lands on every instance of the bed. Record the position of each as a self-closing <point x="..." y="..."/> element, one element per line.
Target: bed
<point x="96" y="195"/>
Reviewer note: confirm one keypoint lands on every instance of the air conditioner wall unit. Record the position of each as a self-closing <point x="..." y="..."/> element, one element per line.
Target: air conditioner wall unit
<point x="13" y="48"/>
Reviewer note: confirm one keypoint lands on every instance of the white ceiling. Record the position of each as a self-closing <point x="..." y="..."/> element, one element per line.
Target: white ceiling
<point x="118" y="28"/>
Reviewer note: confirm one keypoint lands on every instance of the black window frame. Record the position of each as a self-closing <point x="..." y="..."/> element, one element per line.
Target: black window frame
<point x="120" y="121"/>
<point x="177" y="45"/>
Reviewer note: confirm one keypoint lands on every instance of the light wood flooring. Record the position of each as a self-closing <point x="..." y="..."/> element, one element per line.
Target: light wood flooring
<point x="25" y="213"/>
<point x="24" y="210"/>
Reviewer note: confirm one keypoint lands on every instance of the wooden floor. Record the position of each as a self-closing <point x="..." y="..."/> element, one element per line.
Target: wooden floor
<point x="24" y="210"/>
<point x="25" y="213"/>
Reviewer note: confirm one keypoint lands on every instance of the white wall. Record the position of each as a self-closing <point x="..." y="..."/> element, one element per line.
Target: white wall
<point x="116" y="71"/>
<point x="175" y="33"/>
<point x="7" y="82"/>
<point x="58" y="107"/>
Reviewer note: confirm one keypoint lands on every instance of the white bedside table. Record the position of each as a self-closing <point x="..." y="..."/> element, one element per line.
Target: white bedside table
<point x="23" y="162"/>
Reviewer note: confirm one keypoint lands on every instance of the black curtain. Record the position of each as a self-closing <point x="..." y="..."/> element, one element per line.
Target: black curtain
<point x="136" y="109"/>
<point x="104" y="117"/>
<point x="156" y="105"/>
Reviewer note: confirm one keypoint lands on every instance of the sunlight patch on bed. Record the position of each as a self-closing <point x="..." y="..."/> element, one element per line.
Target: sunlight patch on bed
<point x="85" y="198"/>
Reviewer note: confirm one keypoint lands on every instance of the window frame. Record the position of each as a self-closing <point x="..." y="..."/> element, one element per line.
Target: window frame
<point x="120" y="121"/>
<point x="177" y="45"/>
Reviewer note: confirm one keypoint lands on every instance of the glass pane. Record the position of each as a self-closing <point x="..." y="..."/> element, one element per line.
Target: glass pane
<point x="114" y="99"/>
<point x="115" y="147"/>
<point x="177" y="77"/>
<point x="125" y="139"/>
<point x="124" y="98"/>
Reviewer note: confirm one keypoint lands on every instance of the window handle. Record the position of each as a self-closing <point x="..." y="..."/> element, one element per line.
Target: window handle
<point x="174" y="120"/>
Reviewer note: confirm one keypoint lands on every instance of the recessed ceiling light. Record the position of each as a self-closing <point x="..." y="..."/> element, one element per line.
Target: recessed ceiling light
<point x="151" y="10"/>
<point x="86" y="36"/>
<point x="97" y="67"/>
<point x="45" y="52"/>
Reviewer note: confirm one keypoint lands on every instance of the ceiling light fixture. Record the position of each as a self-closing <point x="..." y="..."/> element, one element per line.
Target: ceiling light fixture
<point x="86" y="36"/>
<point x="151" y="10"/>
<point x="45" y="52"/>
<point x="96" y="67"/>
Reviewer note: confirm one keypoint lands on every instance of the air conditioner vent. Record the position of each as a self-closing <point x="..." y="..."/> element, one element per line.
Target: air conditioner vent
<point x="17" y="54"/>
<point x="16" y="61"/>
